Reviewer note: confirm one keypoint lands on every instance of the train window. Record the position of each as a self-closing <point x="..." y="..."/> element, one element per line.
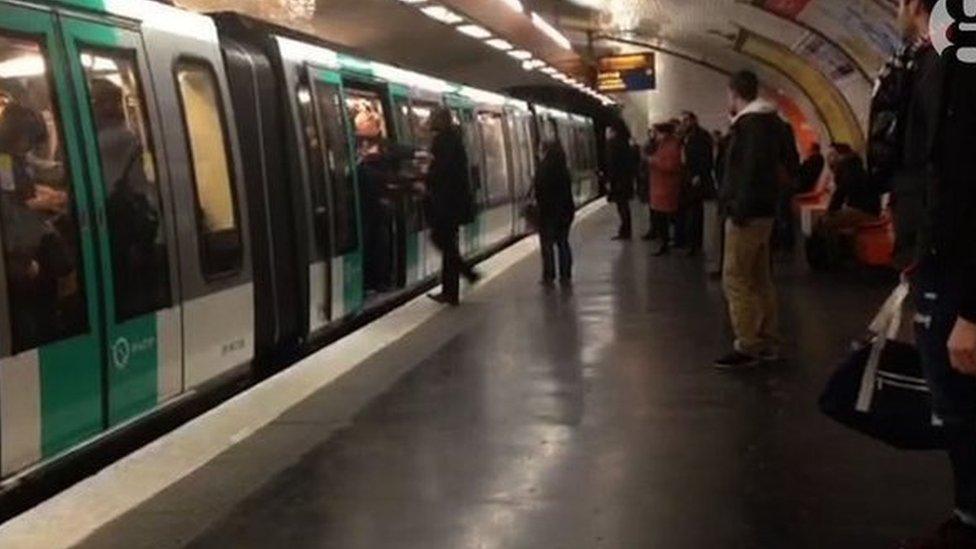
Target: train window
<point x="140" y="266"/>
<point x="401" y="109"/>
<point x="368" y="118"/>
<point x="496" y="166"/>
<point x="41" y="245"/>
<point x="315" y="150"/>
<point x="221" y="247"/>
<point x="336" y="134"/>
<point x="421" y="112"/>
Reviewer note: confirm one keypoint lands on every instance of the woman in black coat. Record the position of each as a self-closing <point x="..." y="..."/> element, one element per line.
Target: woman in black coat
<point x="554" y="194"/>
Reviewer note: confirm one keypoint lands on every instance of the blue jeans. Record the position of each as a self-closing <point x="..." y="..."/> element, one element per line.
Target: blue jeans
<point x="937" y="289"/>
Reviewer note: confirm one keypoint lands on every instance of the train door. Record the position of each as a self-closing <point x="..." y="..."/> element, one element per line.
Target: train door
<point x="337" y="205"/>
<point x="382" y="203"/>
<point x="421" y="109"/>
<point x="414" y="223"/>
<point x="497" y="214"/>
<point x="463" y="112"/>
<point x="133" y="217"/>
<point x="51" y="339"/>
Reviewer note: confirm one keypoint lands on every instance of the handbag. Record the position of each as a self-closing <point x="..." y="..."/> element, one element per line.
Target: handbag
<point x="880" y="390"/>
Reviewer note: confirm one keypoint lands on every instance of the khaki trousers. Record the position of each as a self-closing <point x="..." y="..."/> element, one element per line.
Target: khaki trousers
<point x="747" y="279"/>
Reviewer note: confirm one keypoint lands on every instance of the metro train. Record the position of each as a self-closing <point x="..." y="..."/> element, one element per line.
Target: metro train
<point x="182" y="199"/>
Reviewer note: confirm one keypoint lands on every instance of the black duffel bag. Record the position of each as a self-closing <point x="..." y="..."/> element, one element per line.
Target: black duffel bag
<point x="880" y="389"/>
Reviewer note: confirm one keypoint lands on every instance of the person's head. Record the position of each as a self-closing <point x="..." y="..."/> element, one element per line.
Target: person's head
<point x="21" y="130"/>
<point x="838" y="152"/>
<point x="441" y="119"/>
<point x="913" y="17"/>
<point x="689" y="120"/>
<point x="665" y="130"/>
<point x="743" y="89"/>
<point x="107" y="100"/>
<point x="611" y="132"/>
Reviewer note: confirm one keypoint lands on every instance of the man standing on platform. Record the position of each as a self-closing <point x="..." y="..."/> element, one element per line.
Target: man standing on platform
<point x="621" y="173"/>
<point x="450" y="203"/>
<point x="941" y="130"/>
<point x="699" y="186"/>
<point x="758" y="152"/>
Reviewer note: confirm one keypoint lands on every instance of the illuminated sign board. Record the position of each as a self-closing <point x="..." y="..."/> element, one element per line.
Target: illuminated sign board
<point x="622" y="73"/>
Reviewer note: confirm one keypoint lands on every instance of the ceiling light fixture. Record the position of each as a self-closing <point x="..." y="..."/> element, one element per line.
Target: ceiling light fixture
<point x="521" y="55"/>
<point x="499" y="44"/>
<point x="474" y="31"/>
<point x="442" y="14"/>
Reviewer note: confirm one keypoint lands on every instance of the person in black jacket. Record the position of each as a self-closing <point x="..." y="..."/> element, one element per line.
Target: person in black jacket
<point x="621" y="172"/>
<point x="939" y="140"/>
<point x="554" y="195"/>
<point x="450" y="203"/>
<point x="854" y="201"/>
<point x="761" y="148"/>
<point x="698" y="185"/>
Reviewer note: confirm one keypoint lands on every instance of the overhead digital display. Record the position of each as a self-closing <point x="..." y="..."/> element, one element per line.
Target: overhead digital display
<point x="623" y="73"/>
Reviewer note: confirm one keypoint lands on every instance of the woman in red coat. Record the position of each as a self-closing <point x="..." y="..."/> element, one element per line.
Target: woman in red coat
<point x="666" y="173"/>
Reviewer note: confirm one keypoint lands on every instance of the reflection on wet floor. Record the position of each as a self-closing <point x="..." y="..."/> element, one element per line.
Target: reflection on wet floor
<point x="587" y="418"/>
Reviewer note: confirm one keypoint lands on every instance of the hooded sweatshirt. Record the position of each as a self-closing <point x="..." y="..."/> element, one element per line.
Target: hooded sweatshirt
<point x="760" y="146"/>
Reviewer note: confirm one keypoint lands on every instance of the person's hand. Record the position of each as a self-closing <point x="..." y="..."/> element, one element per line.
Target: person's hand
<point x="962" y="347"/>
<point x="34" y="269"/>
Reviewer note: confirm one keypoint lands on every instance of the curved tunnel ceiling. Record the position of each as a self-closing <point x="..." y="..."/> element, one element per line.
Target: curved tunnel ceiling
<point x="828" y="50"/>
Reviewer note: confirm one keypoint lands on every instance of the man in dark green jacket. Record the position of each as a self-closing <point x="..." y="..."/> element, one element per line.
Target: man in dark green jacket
<point x="760" y="158"/>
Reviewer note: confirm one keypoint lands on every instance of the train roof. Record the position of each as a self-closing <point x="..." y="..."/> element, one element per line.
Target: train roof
<point x="302" y="47"/>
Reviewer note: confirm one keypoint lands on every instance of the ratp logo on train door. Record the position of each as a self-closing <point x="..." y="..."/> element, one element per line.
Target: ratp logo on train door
<point x="953" y="29"/>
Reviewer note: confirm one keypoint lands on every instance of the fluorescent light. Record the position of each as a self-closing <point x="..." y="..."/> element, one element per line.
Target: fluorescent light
<point x="521" y="55"/>
<point x="474" y="31"/>
<point x="551" y="31"/>
<point x="410" y="78"/>
<point x="549" y="70"/>
<point x="413" y="1"/>
<point x="442" y="14"/>
<point x="23" y="66"/>
<point x="481" y="96"/>
<point x="515" y="5"/>
<point x="499" y="44"/>
<point x="533" y="64"/>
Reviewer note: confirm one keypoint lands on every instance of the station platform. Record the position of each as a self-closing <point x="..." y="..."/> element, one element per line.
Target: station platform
<point x="530" y="417"/>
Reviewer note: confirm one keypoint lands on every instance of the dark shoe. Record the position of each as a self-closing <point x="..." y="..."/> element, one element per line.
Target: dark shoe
<point x="473" y="276"/>
<point x="736" y="361"/>
<point x="445" y="300"/>
<point x="953" y="534"/>
<point x="648" y="237"/>
<point x="548" y="282"/>
<point x="662" y="251"/>
<point x="565" y="281"/>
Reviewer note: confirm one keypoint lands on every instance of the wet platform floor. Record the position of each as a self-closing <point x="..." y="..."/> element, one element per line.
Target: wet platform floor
<point x="590" y="417"/>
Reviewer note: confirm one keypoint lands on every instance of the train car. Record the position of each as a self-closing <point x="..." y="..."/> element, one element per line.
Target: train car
<point x="185" y="197"/>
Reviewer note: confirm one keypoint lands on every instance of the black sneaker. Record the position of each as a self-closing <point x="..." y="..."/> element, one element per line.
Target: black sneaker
<point x="953" y="534"/>
<point x="736" y="361"/>
<point x="445" y="300"/>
